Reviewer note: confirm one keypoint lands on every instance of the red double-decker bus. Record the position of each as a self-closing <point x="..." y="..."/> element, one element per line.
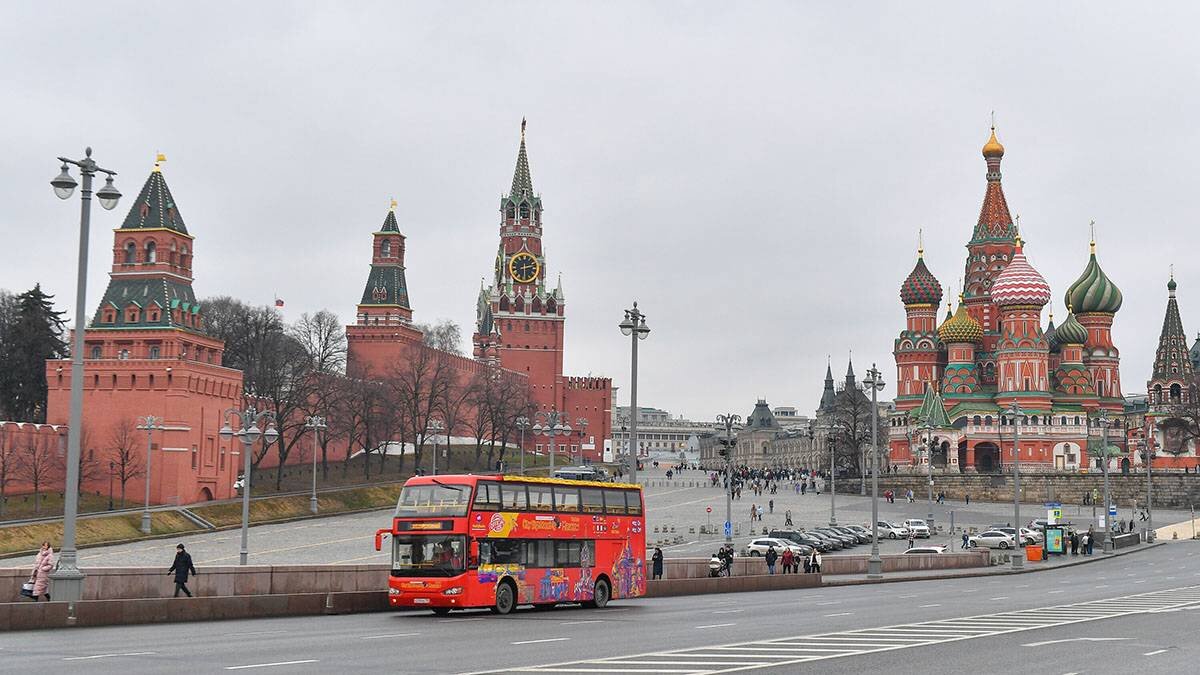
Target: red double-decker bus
<point x="461" y="541"/>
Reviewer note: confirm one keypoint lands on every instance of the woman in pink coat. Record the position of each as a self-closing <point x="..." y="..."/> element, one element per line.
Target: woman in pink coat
<point x="43" y="565"/>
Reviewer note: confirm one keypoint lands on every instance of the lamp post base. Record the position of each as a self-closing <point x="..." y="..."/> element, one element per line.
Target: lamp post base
<point x="1108" y="546"/>
<point x="1018" y="558"/>
<point x="66" y="583"/>
<point x="146" y="522"/>
<point x="874" y="566"/>
<point x="312" y="504"/>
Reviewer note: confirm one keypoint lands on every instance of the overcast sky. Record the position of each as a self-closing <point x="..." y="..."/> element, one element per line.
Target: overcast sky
<point x="754" y="174"/>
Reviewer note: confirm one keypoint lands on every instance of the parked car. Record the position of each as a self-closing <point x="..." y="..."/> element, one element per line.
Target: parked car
<point x="917" y="527"/>
<point x="917" y="550"/>
<point x="992" y="539"/>
<point x="834" y="544"/>
<point x="1030" y="537"/>
<point x="759" y="546"/>
<point x="581" y="473"/>
<point x="802" y="538"/>
<point x="892" y="531"/>
<point x="846" y="539"/>
<point x="858" y="536"/>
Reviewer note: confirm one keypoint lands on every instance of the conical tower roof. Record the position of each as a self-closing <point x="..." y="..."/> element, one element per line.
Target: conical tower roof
<point x="1171" y="361"/>
<point x="154" y="207"/>
<point x="995" y="221"/>
<point x="522" y="183"/>
<point x="828" y="395"/>
<point x="932" y="411"/>
<point x="389" y="221"/>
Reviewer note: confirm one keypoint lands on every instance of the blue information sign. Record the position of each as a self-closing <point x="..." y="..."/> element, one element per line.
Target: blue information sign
<point x="728" y="529"/>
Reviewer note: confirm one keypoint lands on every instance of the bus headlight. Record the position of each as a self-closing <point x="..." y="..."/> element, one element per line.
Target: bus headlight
<point x="457" y="590"/>
<point x="393" y="591"/>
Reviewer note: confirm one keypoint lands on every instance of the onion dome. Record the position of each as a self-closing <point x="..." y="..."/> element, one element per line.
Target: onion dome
<point x="962" y="327"/>
<point x="1093" y="291"/>
<point x="921" y="287"/>
<point x="1071" y="332"/>
<point x="993" y="148"/>
<point x="1019" y="283"/>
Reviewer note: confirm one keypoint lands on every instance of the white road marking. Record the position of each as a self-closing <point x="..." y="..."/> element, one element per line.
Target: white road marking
<point x="1156" y="651"/>
<point x="728" y="611"/>
<point x="271" y="665"/>
<point x="106" y="656"/>
<point x="715" y="625"/>
<point x="382" y="637"/>
<point x="1001" y="597"/>
<point x="1053" y="592"/>
<point x="477" y="618"/>
<point x="831" y="602"/>
<point x="924" y="606"/>
<point x="576" y="623"/>
<point x="1078" y="639"/>
<point x="839" y="614"/>
<point x="902" y="597"/>
<point x="530" y="642"/>
<point x="257" y="632"/>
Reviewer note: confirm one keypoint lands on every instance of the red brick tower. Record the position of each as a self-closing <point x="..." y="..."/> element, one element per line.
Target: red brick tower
<point x="383" y="327"/>
<point x="917" y="350"/>
<point x="520" y="320"/>
<point x="1022" y="352"/>
<point x="990" y="249"/>
<point x="146" y="354"/>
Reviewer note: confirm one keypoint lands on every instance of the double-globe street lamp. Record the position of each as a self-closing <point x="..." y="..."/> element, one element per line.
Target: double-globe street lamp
<point x="67" y="579"/>
<point x="315" y="424"/>
<point x="148" y="423"/>
<point x="1015" y="413"/>
<point x="730" y="422"/>
<point x="874" y="380"/>
<point x="436" y="427"/>
<point x="522" y="426"/>
<point x="552" y="425"/>
<point x="581" y="424"/>
<point x="928" y="428"/>
<point x="1148" y="457"/>
<point x="634" y="326"/>
<point x="1108" y="526"/>
<point x="250" y="418"/>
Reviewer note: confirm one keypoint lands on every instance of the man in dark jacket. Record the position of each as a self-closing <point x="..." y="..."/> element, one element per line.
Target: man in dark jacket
<point x="181" y="567"/>
<point x="772" y="556"/>
<point x="657" y="559"/>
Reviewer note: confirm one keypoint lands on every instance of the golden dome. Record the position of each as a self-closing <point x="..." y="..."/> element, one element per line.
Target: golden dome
<point x="993" y="148"/>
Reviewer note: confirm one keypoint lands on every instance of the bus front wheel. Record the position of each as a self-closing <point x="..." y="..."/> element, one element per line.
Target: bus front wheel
<point x="506" y="598"/>
<point x="600" y="595"/>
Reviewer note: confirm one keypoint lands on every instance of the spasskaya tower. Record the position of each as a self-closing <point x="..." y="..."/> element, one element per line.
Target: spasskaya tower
<point x="520" y="320"/>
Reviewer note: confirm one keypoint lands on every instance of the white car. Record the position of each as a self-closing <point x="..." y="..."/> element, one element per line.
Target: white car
<point x="917" y="550"/>
<point x="892" y="531"/>
<point x="917" y="527"/>
<point x="760" y="546"/>
<point x="992" y="539"/>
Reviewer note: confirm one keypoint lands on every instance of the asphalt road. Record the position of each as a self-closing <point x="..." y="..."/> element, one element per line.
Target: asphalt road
<point x="349" y="538"/>
<point x="1151" y="641"/>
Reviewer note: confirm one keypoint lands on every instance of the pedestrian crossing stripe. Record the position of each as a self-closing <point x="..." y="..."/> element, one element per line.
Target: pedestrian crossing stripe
<point x="758" y="654"/>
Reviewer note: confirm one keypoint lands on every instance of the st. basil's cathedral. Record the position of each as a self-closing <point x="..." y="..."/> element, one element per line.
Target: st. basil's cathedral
<point x="958" y="381"/>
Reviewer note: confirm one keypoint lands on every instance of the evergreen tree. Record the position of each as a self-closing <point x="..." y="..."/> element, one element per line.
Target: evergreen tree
<point x="33" y="334"/>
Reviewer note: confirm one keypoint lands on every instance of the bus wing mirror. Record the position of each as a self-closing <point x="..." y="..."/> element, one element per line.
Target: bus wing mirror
<point x="474" y="558"/>
<point x="379" y="534"/>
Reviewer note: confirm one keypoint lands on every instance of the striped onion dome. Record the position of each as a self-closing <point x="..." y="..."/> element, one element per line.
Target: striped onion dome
<point x="1071" y="332"/>
<point x="1019" y="283"/>
<point x="962" y="327"/>
<point x="921" y="287"/>
<point x="1094" y="291"/>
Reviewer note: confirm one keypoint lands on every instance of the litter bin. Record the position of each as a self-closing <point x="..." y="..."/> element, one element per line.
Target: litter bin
<point x="1034" y="553"/>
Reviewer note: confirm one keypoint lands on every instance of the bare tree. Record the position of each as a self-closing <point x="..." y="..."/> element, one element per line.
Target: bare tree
<point x="479" y="416"/>
<point x="851" y="418"/>
<point x="39" y="464"/>
<point x="90" y="468"/>
<point x="420" y="384"/>
<point x="8" y="462"/>
<point x="125" y="453"/>
<point x="443" y="336"/>
<point x="323" y="339"/>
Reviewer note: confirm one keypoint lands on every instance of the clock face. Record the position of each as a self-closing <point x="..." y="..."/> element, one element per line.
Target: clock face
<point x="524" y="267"/>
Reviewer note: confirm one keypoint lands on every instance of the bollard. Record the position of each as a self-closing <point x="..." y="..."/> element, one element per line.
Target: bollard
<point x="672" y="529"/>
<point x="692" y="530"/>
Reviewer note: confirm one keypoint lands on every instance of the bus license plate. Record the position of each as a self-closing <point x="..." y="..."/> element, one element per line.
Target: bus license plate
<point x="420" y="601"/>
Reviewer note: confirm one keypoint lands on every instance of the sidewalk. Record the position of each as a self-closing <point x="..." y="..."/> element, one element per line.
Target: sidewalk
<point x="1055" y="562"/>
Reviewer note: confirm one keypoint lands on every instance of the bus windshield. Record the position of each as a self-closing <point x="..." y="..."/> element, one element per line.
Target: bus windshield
<point x="418" y="501"/>
<point x="436" y="555"/>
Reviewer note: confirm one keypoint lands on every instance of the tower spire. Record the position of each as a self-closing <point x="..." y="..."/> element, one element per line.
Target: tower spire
<point x="522" y="184"/>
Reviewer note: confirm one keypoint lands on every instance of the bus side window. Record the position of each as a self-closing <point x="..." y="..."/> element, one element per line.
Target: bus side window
<point x="540" y="498"/>
<point x="503" y="552"/>
<point x="614" y="502"/>
<point x="512" y="495"/>
<point x="487" y="496"/>
<point x="539" y="553"/>
<point x="566" y="498"/>
<point x="567" y="553"/>
<point x="633" y="502"/>
<point x="593" y="501"/>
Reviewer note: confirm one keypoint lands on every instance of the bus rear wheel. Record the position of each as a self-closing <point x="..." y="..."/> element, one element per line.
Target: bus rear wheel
<point x="441" y="611"/>
<point x="600" y="595"/>
<point x="506" y="598"/>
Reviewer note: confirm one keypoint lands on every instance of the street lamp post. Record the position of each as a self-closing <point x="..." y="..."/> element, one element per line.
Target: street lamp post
<point x="1017" y="558"/>
<point x="66" y="577"/>
<point x="832" y="480"/>
<point x="581" y="424"/>
<point x="316" y="425"/>
<point x="929" y="466"/>
<point x="522" y="425"/>
<point x="1147" y="456"/>
<point x="874" y="380"/>
<point x="555" y="425"/>
<point x="249" y="419"/>
<point x="729" y="422"/>
<point x="1108" y="542"/>
<point x="149" y="423"/>
<point x="436" y="426"/>
<point x="112" y="468"/>
<point x="634" y="326"/>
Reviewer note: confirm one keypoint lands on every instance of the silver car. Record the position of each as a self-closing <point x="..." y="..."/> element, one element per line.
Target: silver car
<point x="992" y="539"/>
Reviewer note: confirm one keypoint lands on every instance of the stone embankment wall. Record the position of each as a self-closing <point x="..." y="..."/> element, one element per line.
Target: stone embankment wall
<point x="1171" y="490"/>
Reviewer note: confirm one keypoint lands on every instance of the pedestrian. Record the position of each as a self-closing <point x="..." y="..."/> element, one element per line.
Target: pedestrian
<point x="787" y="518"/>
<point x="181" y="567"/>
<point x="789" y="561"/>
<point x="760" y="513"/>
<point x="657" y="560"/>
<point x="771" y="506"/>
<point x="1131" y="524"/>
<point x="912" y="539"/>
<point x="771" y="556"/>
<point x="1088" y="540"/>
<point x="968" y="496"/>
<point x="43" y="565"/>
<point x="1074" y="539"/>
<point x="814" y="562"/>
<point x="965" y="539"/>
